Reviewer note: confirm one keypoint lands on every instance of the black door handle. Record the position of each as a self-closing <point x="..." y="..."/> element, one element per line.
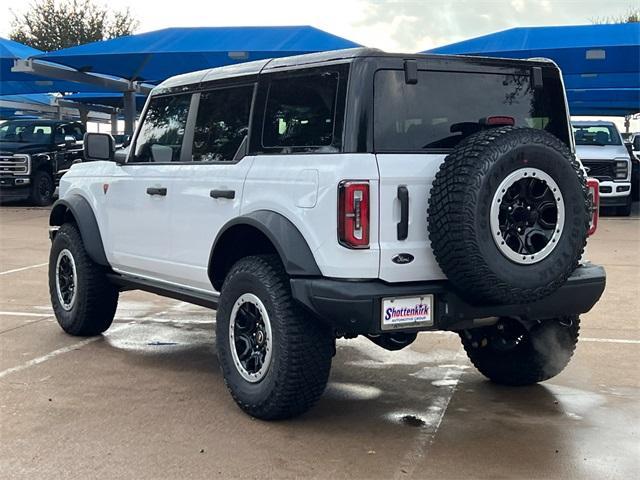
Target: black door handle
<point x="403" y="224"/>
<point x="161" y="191"/>
<point x="230" y="194"/>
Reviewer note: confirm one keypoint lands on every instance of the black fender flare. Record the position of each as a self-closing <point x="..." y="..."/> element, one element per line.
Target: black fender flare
<point x="289" y="243"/>
<point x="84" y="217"/>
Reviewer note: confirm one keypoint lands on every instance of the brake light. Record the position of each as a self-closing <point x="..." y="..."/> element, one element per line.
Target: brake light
<point x="500" y="120"/>
<point x="594" y="199"/>
<point x="353" y="213"/>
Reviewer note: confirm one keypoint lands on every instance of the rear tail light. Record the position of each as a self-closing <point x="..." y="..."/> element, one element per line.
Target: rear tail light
<point x="594" y="201"/>
<point x="353" y="213"/>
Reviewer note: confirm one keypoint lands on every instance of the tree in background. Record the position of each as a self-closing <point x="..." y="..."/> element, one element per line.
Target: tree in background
<point x="632" y="15"/>
<point x="51" y="25"/>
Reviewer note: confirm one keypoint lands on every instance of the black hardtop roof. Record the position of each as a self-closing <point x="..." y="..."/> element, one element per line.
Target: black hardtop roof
<point x="333" y="56"/>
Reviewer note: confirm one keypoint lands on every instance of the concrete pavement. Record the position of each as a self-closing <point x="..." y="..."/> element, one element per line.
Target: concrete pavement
<point x="147" y="399"/>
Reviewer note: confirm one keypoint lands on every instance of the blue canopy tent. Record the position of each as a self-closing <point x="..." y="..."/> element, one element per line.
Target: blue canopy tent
<point x="600" y="63"/>
<point x="154" y="56"/>
<point x="18" y="83"/>
<point x="15" y="106"/>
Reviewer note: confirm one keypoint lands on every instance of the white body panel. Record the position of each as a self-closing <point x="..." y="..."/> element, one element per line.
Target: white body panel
<point x="196" y="217"/>
<point x="288" y="184"/>
<point x="138" y="224"/>
<point x="416" y="172"/>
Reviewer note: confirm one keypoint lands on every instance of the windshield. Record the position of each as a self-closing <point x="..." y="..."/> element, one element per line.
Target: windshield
<point x="596" y="135"/>
<point x="25" y="132"/>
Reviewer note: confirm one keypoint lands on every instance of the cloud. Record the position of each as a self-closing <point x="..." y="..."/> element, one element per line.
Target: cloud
<point x="414" y="25"/>
<point x="393" y="25"/>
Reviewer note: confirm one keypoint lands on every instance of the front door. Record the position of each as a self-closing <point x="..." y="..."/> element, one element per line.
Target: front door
<point x="139" y="195"/>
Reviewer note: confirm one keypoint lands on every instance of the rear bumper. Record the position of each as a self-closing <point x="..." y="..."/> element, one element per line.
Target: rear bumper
<point x="354" y="307"/>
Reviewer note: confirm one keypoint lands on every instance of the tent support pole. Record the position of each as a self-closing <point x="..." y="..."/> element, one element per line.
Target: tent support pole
<point x="129" y="111"/>
<point x="114" y="123"/>
<point x="84" y="115"/>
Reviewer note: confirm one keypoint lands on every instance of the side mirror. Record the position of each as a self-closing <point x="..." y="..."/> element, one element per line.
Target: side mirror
<point x="98" y="146"/>
<point x="636" y="143"/>
<point x="120" y="156"/>
<point x="69" y="140"/>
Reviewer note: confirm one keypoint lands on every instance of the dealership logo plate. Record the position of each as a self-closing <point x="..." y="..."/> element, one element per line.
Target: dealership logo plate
<point x="407" y="312"/>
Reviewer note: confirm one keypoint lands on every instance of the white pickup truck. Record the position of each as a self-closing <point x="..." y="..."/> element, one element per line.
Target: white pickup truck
<point x="604" y="156"/>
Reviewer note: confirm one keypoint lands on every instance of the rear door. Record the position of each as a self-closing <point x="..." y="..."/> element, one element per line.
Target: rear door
<point x="207" y="190"/>
<point x="417" y="124"/>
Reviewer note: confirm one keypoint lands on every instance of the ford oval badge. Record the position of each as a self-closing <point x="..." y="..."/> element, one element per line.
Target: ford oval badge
<point x="402" y="258"/>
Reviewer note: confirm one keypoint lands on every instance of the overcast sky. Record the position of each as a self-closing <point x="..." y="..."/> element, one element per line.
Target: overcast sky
<point x="393" y="25"/>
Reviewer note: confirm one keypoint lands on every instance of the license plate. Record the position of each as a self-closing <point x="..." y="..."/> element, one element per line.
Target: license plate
<point x="407" y="312"/>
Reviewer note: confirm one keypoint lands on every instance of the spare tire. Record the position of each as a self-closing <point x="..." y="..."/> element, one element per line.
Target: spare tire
<point x="508" y="215"/>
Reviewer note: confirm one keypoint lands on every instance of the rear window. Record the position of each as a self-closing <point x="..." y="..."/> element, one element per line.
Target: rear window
<point x="596" y="135"/>
<point x="443" y="108"/>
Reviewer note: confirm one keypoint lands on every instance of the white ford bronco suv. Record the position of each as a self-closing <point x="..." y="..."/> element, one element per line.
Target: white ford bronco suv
<point x="340" y="194"/>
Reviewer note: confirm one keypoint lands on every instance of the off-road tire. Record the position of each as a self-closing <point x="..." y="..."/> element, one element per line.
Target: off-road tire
<point x="302" y="346"/>
<point x="543" y="353"/>
<point x="459" y="215"/>
<point x="96" y="298"/>
<point x="42" y="189"/>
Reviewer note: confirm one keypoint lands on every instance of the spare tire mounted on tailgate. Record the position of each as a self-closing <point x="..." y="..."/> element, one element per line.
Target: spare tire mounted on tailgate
<point x="509" y="215"/>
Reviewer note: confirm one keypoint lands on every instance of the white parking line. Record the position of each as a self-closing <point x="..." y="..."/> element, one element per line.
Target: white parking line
<point x="118" y="317"/>
<point x="609" y="340"/>
<point x="60" y="351"/>
<point x="7" y="272"/>
<point x="207" y="322"/>
<point x="26" y="314"/>
<point x="435" y="414"/>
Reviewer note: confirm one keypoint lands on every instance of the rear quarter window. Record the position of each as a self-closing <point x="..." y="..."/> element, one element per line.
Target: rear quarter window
<point x="443" y="108"/>
<point x="304" y="112"/>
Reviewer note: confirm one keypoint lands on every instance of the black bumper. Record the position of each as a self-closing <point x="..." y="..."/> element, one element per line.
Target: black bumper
<point x="10" y="191"/>
<point x="354" y="307"/>
<point x="615" y="201"/>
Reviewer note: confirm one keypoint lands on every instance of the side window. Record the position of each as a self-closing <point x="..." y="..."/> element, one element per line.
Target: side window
<point x="73" y="130"/>
<point x="162" y="131"/>
<point x="222" y="124"/>
<point x="301" y="113"/>
<point x="58" y="136"/>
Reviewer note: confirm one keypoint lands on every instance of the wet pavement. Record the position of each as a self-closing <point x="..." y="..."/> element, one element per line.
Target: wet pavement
<point x="147" y="399"/>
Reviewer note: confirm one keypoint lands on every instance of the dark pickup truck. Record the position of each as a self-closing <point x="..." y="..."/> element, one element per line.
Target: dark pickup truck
<point x="33" y="156"/>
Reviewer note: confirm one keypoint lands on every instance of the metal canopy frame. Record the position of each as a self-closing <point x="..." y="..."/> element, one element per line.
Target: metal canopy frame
<point x="60" y="72"/>
<point x="62" y="109"/>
